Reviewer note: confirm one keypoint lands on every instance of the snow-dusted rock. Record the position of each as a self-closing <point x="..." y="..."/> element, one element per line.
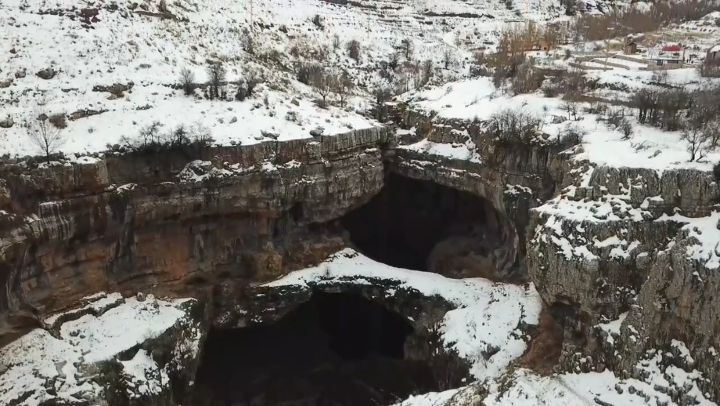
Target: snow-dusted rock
<point x="111" y="348"/>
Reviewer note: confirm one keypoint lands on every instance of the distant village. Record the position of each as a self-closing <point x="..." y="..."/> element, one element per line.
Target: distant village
<point x="663" y="56"/>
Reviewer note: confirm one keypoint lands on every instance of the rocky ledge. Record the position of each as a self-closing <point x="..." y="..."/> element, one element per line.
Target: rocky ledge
<point x="112" y="350"/>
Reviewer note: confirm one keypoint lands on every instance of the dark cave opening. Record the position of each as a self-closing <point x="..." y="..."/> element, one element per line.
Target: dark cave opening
<point x="335" y="349"/>
<point x="425" y="226"/>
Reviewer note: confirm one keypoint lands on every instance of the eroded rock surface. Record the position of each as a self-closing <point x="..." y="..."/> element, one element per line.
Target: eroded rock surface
<point x="113" y="350"/>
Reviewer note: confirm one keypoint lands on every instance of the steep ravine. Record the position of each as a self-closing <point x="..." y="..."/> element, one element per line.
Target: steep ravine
<point x="216" y="225"/>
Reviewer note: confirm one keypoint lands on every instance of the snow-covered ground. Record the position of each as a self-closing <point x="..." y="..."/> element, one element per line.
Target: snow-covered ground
<point x="647" y="147"/>
<point x="40" y="367"/>
<point x="488" y="315"/>
<point x="124" y="45"/>
<point x="523" y="387"/>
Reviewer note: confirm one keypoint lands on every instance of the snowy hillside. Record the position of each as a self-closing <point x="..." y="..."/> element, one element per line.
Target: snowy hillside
<point x="112" y="68"/>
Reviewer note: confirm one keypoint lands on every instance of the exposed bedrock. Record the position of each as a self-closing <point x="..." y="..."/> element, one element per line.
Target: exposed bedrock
<point x="599" y="244"/>
<point x="71" y="231"/>
<point x="206" y="223"/>
<point x="613" y="247"/>
<point x="617" y="247"/>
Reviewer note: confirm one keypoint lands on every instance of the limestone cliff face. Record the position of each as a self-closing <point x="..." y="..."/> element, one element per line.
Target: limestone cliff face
<point x="615" y="246"/>
<point x="177" y="227"/>
<point x="678" y="303"/>
<point x="513" y="178"/>
<point x="207" y="223"/>
<point x="601" y="243"/>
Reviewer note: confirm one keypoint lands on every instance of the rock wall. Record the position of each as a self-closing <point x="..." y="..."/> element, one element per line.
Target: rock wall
<point x="616" y="248"/>
<point x="514" y="178"/>
<point x="606" y="247"/>
<point x="250" y="214"/>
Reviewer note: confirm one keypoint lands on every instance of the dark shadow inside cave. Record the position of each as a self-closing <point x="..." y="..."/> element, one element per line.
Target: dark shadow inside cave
<point x="336" y="349"/>
<point x="425" y="226"/>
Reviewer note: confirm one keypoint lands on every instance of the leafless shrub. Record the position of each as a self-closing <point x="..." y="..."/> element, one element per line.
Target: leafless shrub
<point x="615" y="118"/>
<point x="342" y="85"/>
<point x="407" y="48"/>
<point x="248" y="42"/>
<point x="574" y="84"/>
<point x="447" y="59"/>
<point x="571" y="108"/>
<point x="426" y="73"/>
<point x="318" y="21"/>
<point x="353" y="48"/>
<point x="527" y="78"/>
<point x="571" y="136"/>
<point x="58" y="120"/>
<point x="151" y="139"/>
<point x="323" y="84"/>
<point x="626" y="129"/>
<point x="514" y="126"/>
<point x="479" y="66"/>
<point x="698" y="143"/>
<point x="380" y="110"/>
<point x="307" y="72"/>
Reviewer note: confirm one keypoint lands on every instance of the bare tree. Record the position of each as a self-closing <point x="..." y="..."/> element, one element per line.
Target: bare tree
<point x="323" y="83"/>
<point x="447" y="59"/>
<point x="527" y="78"/>
<point x="216" y="78"/>
<point x="514" y="126"/>
<point x="342" y="86"/>
<point x="46" y="137"/>
<point x="187" y="81"/>
<point x="698" y="144"/>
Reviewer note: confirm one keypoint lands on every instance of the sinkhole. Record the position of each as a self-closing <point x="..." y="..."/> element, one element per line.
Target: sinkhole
<point x="335" y="349"/>
<point x="425" y="226"/>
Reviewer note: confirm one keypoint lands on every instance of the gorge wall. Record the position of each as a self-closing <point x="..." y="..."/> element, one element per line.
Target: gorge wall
<point x="146" y="224"/>
<point x="601" y="245"/>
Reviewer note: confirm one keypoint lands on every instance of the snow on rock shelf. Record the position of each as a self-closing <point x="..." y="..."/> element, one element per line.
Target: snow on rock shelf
<point x="656" y="384"/>
<point x="478" y="99"/>
<point x="147" y="341"/>
<point x="487" y="318"/>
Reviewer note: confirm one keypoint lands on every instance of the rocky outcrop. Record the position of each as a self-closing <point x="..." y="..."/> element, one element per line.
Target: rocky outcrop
<point x="635" y="248"/>
<point x="677" y="306"/>
<point x="615" y="246"/>
<point x="603" y="246"/>
<point x="112" y="350"/>
<point x="135" y="225"/>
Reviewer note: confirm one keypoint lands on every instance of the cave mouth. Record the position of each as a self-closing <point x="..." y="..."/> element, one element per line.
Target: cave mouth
<point x="335" y="349"/>
<point x="425" y="226"/>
